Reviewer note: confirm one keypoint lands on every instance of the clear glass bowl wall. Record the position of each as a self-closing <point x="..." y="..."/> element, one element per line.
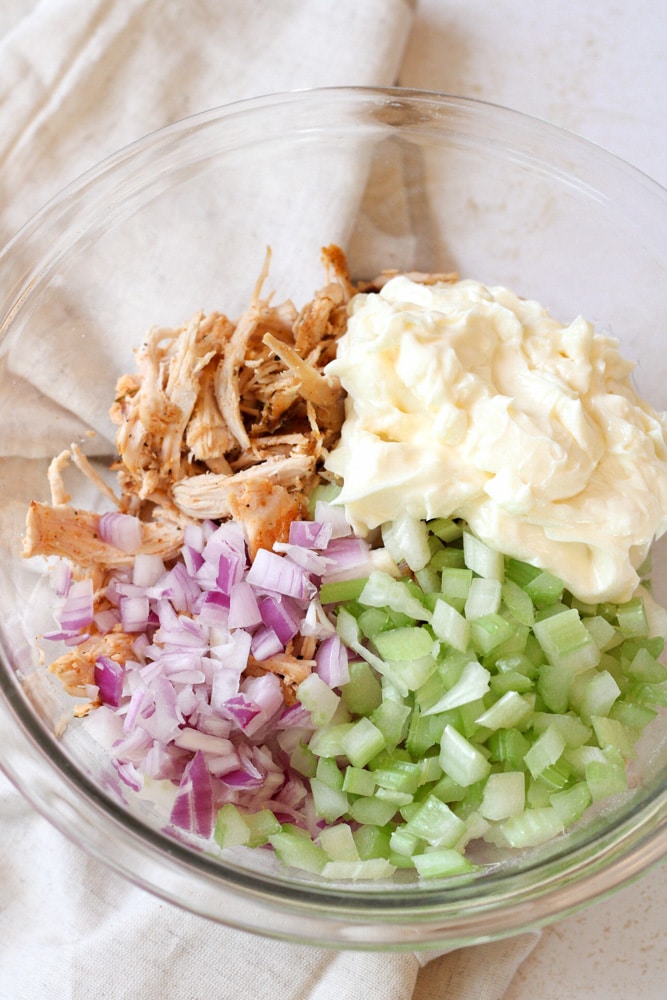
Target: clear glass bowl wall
<point x="181" y="221"/>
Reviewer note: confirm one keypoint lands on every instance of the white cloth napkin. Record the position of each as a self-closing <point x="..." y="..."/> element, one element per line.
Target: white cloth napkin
<point x="78" y="81"/>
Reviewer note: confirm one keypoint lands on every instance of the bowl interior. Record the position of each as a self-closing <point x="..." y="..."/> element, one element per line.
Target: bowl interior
<point x="181" y="222"/>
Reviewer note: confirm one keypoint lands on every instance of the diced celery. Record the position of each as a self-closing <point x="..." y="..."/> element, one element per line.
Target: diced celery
<point x="467" y="723"/>
<point x="571" y="803"/>
<point x="612" y="733"/>
<point x="339" y="843"/>
<point x="556" y="776"/>
<point x="448" y="790"/>
<point x="442" y="864"/>
<point x="408" y="643"/>
<point x="399" y="799"/>
<point x="428" y="579"/>
<point x="518" y="603"/>
<point x="482" y="559"/>
<point x="632" y="715"/>
<point x="383" y="590"/>
<point x="372" y="868"/>
<point x="371" y="810"/>
<point x="262" y="825"/>
<point x="316" y="696"/>
<point x="472" y="685"/>
<point x="295" y="848"/>
<point x="574" y="732"/>
<point x="339" y="591"/>
<point x="448" y="558"/>
<point x="372" y="841"/>
<point x="445" y="528"/>
<point x="490" y="631"/>
<point x="645" y="667"/>
<point x="510" y="680"/>
<point x="594" y="696"/>
<point x="538" y="793"/>
<point x="303" y="760"/>
<point x="567" y="642"/>
<point x="580" y="757"/>
<point x="508" y="712"/>
<point x="409" y="675"/>
<point x="401" y="776"/>
<point x="607" y="778"/>
<point x="455" y="584"/>
<point x="504" y="795"/>
<point x="450" y="626"/>
<point x="231" y="829"/>
<point x="405" y="843"/>
<point x="406" y="540"/>
<point x="435" y="823"/>
<point x="509" y="747"/>
<point x="602" y="632"/>
<point x="532" y="827"/>
<point x="326" y="742"/>
<point x="483" y="598"/>
<point x="329" y="773"/>
<point x="460" y="759"/>
<point x="362" y="742"/>
<point x="544" y="589"/>
<point x="330" y="803"/>
<point x="429" y="770"/>
<point x="358" y="781"/>
<point x="373" y="620"/>
<point x="391" y="718"/>
<point x="520" y="572"/>
<point x="632" y="619"/>
<point x="424" y="732"/>
<point x="363" y="692"/>
<point x="553" y="686"/>
<point x="546" y="750"/>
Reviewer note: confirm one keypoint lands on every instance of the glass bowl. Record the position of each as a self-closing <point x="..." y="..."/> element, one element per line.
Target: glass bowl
<point x="180" y="221"/>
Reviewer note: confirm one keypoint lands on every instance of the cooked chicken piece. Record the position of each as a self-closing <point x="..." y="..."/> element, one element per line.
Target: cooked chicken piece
<point x="291" y="669"/>
<point x="258" y="317"/>
<point x="210" y="495"/>
<point x="325" y="394"/>
<point x="207" y="436"/>
<point x="66" y="531"/>
<point x="57" y="465"/>
<point x="265" y="510"/>
<point x="76" y="668"/>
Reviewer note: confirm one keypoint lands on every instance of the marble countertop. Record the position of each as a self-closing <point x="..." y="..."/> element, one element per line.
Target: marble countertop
<point x="598" y="69"/>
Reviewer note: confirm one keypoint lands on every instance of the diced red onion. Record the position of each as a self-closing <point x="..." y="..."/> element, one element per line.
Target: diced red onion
<point x="272" y="572"/>
<point x="350" y="557"/>
<point x="326" y="513"/>
<point x="265" y="643"/>
<point x="310" y="534"/>
<point x="193" y="807"/>
<point x="77" y="610"/>
<point x="134" y="613"/>
<point x="244" y="611"/>
<point x="123" y="531"/>
<point x="109" y="679"/>
<point x="241" y="710"/>
<point x="147" y="569"/>
<point x="282" y="615"/>
<point x="332" y="662"/>
<point x="61" y="576"/>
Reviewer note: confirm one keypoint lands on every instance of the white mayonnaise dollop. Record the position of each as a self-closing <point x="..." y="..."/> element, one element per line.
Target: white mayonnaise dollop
<point x="469" y="401"/>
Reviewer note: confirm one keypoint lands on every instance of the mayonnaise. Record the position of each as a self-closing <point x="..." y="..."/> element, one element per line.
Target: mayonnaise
<point x="469" y="401"/>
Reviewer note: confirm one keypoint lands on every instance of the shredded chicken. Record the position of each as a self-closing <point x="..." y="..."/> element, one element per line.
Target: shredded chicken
<point x="76" y="668"/>
<point x="65" y="531"/>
